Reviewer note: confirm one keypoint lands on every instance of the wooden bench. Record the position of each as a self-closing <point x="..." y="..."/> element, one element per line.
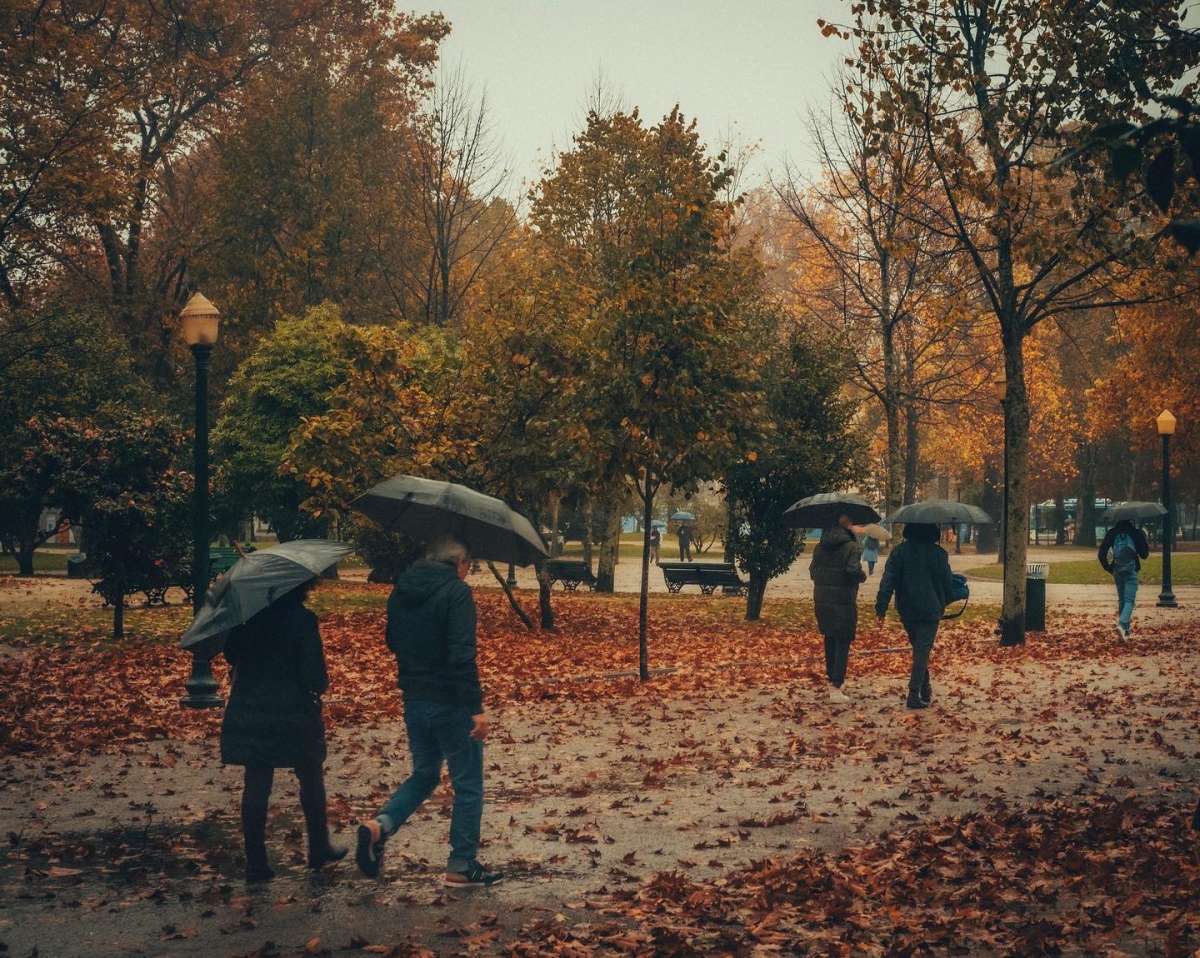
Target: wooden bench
<point x="571" y="573"/>
<point x="710" y="576"/>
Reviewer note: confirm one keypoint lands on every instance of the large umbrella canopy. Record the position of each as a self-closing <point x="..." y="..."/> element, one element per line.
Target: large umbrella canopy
<point x="257" y="580"/>
<point x="825" y="508"/>
<point x="938" y="511"/>
<point x="682" y="516"/>
<point x="424" y="509"/>
<point x="1133" y="511"/>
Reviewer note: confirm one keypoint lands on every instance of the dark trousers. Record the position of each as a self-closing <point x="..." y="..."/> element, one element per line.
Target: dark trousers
<point x="256" y="796"/>
<point x="920" y="636"/>
<point x="837" y="655"/>
<point x="440" y="733"/>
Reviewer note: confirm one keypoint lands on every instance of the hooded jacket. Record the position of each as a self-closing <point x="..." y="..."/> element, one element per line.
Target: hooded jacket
<point x="431" y="631"/>
<point x="836" y="572"/>
<point x="918" y="572"/>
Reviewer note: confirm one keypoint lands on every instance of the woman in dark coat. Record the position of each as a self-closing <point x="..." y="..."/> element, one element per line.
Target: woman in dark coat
<point x="918" y="573"/>
<point x="273" y="720"/>
<point x="836" y="571"/>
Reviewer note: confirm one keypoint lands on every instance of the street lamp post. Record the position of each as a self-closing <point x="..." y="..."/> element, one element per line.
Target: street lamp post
<point x="200" y="322"/>
<point x="1166" y="428"/>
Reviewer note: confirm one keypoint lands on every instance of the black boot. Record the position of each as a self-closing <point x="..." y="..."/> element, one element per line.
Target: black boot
<point x="926" y="689"/>
<point x="321" y="851"/>
<point x="257" y="869"/>
<point x="915" y="701"/>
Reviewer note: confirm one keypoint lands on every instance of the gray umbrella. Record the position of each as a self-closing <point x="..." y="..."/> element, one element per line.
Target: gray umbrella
<point x="424" y="509"/>
<point x="937" y="511"/>
<point x="257" y="580"/>
<point x="1133" y="511"/>
<point x="683" y="516"/>
<point x="825" y="508"/>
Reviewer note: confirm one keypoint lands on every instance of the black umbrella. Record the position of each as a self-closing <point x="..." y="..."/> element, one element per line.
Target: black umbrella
<point x="825" y="508"/>
<point x="937" y="511"/>
<point x="424" y="509"/>
<point x="257" y="580"/>
<point x="1133" y="511"/>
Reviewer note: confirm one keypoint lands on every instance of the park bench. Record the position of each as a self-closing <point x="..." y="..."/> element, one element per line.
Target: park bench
<point x="570" y="572"/>
<point x="220" y="560"/>
<point x="710" y="576"/>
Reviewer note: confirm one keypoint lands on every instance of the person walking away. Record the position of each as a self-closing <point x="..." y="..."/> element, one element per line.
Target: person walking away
<point x="431" y="631"/>
<point x="273" y="720"/>
<point x="1128" y="547"/>
<point x="918" y="574"/>
<point x="870" y="554"/>
<point x="685" y="543"/>
<point x="836" y="571"/>
<point x="655" y="544"/>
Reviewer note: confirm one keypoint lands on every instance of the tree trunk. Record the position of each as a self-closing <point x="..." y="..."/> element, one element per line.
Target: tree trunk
<point x="512" y="599"/>
<point x="24" y="555"/>
<point x="1060" y="521"/>
<point x="555" y="543"/>
<point x="609" y="545"/>
<point x="545" y="609"/>
<point x="1016" y="524"/>
<point x="119" y="610"/>
<point x="730" y="530"/>
<point x="912" y="451"/>
<point x="588" y="517"/>
<point x="986" y="538"/>
<point x="891" y="415"/>
<point x="1085" y="508"/>
<point x="754" y="596"/>
<point x="647" y="492"/>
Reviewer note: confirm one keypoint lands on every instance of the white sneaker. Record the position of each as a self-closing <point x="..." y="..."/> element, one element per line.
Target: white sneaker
<point x="1122" y="633"/>
<point x="838" y="697"/>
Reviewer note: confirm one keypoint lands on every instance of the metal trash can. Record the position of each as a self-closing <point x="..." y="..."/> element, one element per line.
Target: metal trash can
<point x="1035" y="596"/>
<point x="78" y="566"/>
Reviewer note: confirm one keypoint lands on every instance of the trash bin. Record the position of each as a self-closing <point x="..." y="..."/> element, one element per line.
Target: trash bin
<point x="1035" y="596"/>
<point x="78" y="566"/>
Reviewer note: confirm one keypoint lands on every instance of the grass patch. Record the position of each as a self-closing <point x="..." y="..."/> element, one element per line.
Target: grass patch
<point x="44" y="560"/>
<point x="1185" y="570"/>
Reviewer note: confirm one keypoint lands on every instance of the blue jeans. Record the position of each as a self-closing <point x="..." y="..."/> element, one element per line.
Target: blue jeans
<point x="1127" y="586"/>
<point x="438" y="733"/>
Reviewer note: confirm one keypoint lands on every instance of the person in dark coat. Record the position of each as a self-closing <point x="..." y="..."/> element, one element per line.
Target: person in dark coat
<point x="273" y="720"/>
<point x="918" y="574"/>
<point x="1121" y="554"/>
<point x="836" y="571"/>
<point x="685" y="542"/>
<point x="431" y="631"/>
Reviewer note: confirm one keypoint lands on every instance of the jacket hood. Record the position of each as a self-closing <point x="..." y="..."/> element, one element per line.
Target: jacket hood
<point x="421" y="580"/>
<point x="835" y="536"/>
<point x="921" y="532"/>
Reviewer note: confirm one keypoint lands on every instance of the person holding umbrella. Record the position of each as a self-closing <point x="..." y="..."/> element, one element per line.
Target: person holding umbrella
<point x="273" y="719"/>
<point x="431" y="631"/>
<point x="918" y="574"/>
<point x="836" y="571"/>
<point x="1128" y="546"/>
<point x="871" y="537"/>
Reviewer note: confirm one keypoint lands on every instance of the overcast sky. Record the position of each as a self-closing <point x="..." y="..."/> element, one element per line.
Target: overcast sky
<point x="751" y="66"/>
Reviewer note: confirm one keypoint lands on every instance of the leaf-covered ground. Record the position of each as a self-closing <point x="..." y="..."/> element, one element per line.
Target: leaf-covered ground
<point x="1041" y="806"/>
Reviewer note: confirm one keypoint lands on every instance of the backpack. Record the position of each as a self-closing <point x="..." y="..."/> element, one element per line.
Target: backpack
<point x="1124" y="554"/>
<point x="959" y="592"/>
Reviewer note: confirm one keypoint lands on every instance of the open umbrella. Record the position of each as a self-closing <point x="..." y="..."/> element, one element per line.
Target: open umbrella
<point x="258" y="579"/>
<point x="824" y="508"/>
<point x="424" y="509"/>
<point x="876" y="531"/>
<point x="938" y="511"/>
<point x="682" y="516"/>
<point x="1133" y="511"/>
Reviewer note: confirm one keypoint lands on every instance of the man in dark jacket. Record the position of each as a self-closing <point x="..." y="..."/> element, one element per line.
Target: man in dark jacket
<point x="1129" y="547"/>
<point x="431" y="631"/>
<point x="836" y="571"/>
<point x="918" y="573"/>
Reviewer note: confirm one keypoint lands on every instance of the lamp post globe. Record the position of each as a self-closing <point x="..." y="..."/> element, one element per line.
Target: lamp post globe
<point x="199" y="325"/>
<point x="1165" y="424"/>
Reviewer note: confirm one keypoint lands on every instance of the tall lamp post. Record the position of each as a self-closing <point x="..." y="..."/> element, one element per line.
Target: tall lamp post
<point x="199" y="323"/>
<point x="1166" y="429"/>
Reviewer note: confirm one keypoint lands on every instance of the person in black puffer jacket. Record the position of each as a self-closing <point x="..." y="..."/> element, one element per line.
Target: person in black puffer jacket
<point x="918" y="573"/>
<point x="836" y="571"/>
<point x="273" y="720"/>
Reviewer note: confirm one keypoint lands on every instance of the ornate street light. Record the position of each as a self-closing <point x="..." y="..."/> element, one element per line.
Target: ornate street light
<point x="1166" y="429"/>
<point x="199" y="324"/>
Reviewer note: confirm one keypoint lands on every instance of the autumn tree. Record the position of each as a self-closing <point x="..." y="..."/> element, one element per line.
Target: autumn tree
<point x="998" y="88"/>
<point x="882" y="284"/>
<point x="808" y="448"/>
<point x="635" y="216"/>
